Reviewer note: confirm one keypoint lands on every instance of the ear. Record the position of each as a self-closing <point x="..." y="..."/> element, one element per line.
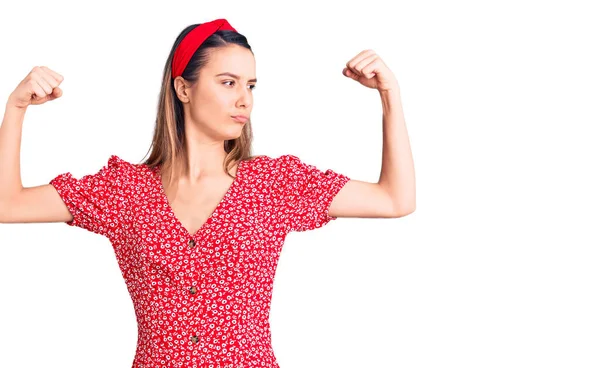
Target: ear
<point x="181" y="89"/>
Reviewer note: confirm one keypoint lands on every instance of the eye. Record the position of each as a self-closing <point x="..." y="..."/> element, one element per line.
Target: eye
<point x="253" y="86"/>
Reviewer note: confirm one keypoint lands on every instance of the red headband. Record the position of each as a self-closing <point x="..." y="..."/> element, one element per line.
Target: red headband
<point x="193" y="40"/>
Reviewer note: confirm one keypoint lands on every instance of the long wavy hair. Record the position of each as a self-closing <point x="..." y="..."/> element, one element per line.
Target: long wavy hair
<point x="168" y="142"/>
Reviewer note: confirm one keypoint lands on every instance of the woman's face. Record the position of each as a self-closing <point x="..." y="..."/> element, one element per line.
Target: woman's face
<point x="216" y="97"/>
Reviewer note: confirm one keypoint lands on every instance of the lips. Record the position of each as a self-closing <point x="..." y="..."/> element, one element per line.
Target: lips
<point x="240" y="118"/>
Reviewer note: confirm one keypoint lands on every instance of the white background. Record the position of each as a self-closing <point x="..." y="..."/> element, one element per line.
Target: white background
<point x="498" y="266"/>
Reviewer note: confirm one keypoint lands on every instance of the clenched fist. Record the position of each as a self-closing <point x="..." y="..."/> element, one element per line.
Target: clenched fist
<point x="39" y="86"/>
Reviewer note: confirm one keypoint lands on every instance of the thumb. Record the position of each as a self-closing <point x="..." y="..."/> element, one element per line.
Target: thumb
<point x="56" y="93"/>
<point x="350" y="74"/>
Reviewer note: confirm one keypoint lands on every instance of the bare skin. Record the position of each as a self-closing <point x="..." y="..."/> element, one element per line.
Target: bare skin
<point x="208" y="109"/>
<point x="194" y="203"/>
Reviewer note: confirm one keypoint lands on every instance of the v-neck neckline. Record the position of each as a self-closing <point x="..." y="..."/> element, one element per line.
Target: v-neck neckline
<point x="214" y="213"/>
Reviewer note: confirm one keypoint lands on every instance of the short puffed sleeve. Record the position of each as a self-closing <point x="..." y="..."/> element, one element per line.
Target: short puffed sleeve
<point x="96" y="201"/>
<point x="304" y="193"/>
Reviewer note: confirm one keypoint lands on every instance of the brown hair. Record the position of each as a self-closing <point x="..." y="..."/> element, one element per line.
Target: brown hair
<point x="168" y="142"/>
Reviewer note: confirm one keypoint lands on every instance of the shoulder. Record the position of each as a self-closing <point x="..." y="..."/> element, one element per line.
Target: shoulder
<point x="285" y="170"/>
<point x="259" y="163"/>
<point x="280" y="161"/>
<point x="123" y="172"/>
<point x="120" y="166"/>
<point x="275" y="165"/>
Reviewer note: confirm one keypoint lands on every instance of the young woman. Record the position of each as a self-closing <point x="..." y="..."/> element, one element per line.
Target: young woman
<point x="198" y="227"/>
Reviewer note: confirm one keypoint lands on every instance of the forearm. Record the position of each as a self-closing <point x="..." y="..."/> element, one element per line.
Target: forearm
<point x="10" y="148"/>
<point x="397" y="168"/>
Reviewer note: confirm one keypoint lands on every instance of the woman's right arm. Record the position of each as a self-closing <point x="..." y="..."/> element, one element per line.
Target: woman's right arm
<point x="35" y="204"/>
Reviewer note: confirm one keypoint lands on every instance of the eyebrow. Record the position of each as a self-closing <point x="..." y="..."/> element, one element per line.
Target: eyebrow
<point x="234" y="76"/>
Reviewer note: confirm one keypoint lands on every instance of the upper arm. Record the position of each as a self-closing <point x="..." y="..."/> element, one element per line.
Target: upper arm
<point x="35" y="204"/>
<point x="307" y="197"/>
<point x="362" y="199"/>
<point x="96" y="202"/>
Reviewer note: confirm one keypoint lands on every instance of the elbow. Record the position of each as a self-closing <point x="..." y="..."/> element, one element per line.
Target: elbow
<point x="405" y="209"/>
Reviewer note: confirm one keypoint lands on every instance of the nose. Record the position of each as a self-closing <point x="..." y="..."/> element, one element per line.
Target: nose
<point x="245" y="97"/>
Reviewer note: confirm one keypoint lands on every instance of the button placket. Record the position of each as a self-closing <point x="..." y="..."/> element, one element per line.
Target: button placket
<point x="193" y="290"/>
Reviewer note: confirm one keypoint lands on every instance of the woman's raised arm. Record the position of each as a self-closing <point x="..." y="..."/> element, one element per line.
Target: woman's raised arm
<point x="35" y="204"/>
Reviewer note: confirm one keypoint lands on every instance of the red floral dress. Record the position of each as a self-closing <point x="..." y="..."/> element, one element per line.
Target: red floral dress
<point x="203" y="299"/>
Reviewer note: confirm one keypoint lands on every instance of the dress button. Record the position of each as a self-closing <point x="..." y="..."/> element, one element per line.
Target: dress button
<point x="193" y="290"/>
<point x="194" y="339"/>
<point x="191" y="243"/>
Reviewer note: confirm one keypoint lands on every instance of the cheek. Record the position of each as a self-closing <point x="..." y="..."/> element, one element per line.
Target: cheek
<point x="214" y="113"/>
<point x="209" y="106"/>
<point x="218" y="101"/>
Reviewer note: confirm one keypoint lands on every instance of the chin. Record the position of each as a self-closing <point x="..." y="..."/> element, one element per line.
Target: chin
<point x="233" y="135"/>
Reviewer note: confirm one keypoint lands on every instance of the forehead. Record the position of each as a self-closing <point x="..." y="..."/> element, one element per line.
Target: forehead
<point x="234" y="59"/>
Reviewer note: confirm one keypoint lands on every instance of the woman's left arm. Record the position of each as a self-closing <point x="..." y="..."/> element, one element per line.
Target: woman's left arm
<point x="394" y="195"/>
